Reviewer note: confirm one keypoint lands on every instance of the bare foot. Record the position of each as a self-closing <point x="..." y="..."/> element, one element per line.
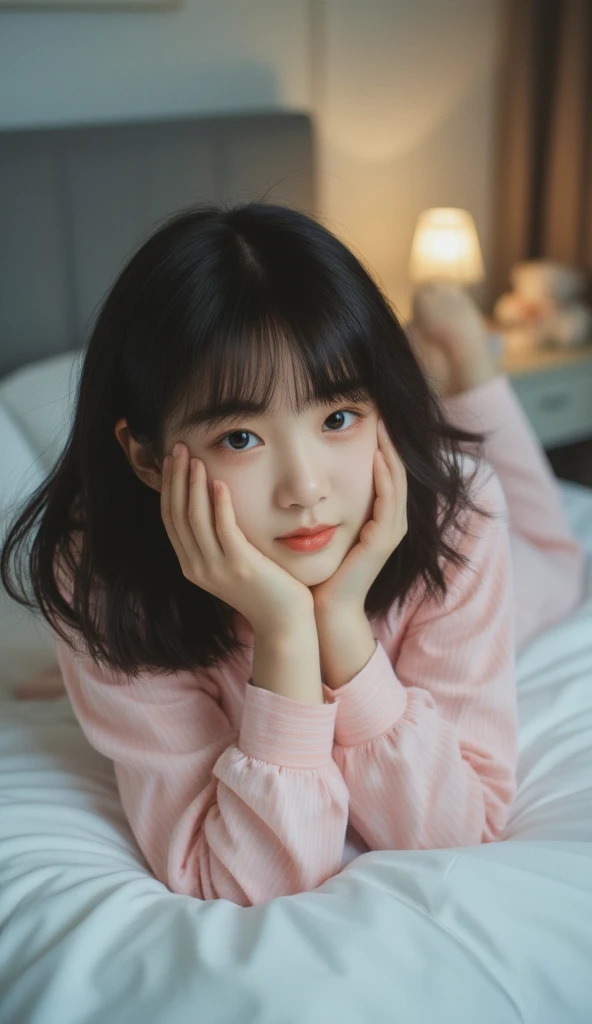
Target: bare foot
<point x="434" y="361"/>
<point x="451" y="339"/>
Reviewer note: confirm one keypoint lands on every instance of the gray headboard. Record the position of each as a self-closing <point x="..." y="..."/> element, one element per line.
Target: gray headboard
<point x="75" y="202"/>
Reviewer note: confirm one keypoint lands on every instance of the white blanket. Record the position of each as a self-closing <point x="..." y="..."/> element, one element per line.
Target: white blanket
<point x="494" y="934"/>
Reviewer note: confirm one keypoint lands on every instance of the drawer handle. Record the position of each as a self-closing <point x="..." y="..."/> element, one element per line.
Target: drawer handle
<point x="549" y="402"/>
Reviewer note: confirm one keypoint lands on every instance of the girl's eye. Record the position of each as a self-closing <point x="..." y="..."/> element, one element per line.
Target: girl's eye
<point x="237" y="434"/>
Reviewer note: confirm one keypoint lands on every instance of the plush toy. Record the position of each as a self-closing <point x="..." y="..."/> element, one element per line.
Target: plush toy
<point x="547" y="298"/>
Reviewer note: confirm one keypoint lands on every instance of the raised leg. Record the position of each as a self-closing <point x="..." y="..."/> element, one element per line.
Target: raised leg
<point x="550" y="565"/>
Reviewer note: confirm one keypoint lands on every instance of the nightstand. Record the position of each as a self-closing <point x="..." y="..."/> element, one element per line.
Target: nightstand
<point x="554" y="388"/>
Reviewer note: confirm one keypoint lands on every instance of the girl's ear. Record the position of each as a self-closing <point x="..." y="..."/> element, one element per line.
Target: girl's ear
<point x="140" y="459"/>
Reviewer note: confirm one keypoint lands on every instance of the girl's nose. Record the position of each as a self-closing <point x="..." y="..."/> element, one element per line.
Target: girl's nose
<point x="302" y="480"/>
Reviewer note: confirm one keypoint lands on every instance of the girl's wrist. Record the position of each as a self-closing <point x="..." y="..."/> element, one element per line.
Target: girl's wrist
<point x="288" y="632"/>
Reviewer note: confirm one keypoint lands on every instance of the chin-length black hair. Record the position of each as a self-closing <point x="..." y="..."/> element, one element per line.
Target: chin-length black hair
<point x="200" y="315"/>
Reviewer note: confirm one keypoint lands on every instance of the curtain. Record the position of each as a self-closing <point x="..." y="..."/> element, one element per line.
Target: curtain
<point x="543" y="201"/>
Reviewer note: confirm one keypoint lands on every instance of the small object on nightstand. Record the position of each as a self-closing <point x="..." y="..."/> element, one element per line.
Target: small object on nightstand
<point x="546" y="307"/>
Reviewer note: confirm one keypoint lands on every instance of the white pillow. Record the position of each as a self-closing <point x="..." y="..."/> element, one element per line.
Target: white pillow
<point x="20" y="468"/>
<point x="26" y="643"/>
<point x="36" y="407"/>
<point x="40" y="397"/>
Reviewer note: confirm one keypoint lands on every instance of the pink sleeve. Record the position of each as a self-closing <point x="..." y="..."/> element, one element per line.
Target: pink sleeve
<point x="550" y="563"/>
<point x="243" y="818"/>
<point x="428" y="747"/>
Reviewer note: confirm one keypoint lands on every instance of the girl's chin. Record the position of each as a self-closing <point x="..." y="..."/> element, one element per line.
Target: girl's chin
<point x="311" y="575"/>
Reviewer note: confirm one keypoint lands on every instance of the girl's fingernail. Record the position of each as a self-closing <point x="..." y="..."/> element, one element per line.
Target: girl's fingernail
<point x="178" y="448"/>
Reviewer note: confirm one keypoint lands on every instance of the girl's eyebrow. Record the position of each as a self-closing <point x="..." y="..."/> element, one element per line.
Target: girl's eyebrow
<point x="234" y="411"/>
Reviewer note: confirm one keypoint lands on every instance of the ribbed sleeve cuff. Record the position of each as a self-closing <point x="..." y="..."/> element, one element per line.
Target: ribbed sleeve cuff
<point x="286" y="732"/>
<point x="370" y="704"/>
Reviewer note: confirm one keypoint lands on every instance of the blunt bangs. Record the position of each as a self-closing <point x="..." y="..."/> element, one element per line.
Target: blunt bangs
<point x="238" y="374"/>
<point x="269" y="309"/>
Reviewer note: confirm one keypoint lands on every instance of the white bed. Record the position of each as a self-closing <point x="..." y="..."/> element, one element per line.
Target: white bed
<point x="498" y="934"/>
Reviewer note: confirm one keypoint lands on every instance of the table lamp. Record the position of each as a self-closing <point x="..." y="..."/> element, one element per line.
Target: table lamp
<point x="446" y="248"/>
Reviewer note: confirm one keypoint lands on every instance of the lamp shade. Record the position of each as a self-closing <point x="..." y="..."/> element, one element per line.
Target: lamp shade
<point x="446" y="247"/>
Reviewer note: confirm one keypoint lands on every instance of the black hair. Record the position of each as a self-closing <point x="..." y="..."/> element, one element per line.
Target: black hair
<point x="199" y="316"/>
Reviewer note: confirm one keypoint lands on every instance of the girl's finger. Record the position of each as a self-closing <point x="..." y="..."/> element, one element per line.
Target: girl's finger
<point x="391" y="493"/>
<point x="394" y="462"/>
<point x="224" y="517"/>
<point x="381" y="502"/>
<point x="167" y="516"/>
<point x="200" y="514"/>
<point x="230" y="535"/>
<point x="179" y="493"/>
<point x="386" y="446"/>
<point x="179" y="485"/>
<point x="384" y="471"/>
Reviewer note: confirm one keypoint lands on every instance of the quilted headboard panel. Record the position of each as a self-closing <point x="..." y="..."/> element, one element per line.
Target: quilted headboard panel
<point x="74" y="203"/>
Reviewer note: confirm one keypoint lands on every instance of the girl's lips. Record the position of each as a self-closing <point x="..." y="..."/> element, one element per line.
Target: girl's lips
<point x="312" y="542"/>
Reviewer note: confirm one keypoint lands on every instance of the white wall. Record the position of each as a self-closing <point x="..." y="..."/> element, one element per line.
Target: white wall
<point x="403" y="92"/>
<point x="407" y="109"/>
<point x="69" y="66"/>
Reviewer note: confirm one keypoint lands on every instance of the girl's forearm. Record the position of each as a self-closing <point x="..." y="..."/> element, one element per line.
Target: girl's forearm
<point x="346" y="644"/>
<point x="288" y="662"/>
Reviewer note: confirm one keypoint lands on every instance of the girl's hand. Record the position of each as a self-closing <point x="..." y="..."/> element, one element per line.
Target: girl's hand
<point x="215" y="554"/>
<point x="347" y="588"/>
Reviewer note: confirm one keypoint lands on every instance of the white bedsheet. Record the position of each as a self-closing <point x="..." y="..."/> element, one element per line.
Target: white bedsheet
<point x="493" y="934"/>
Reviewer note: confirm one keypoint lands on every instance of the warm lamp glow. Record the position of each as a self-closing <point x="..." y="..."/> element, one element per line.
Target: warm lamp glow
<point x="446" y="247"/>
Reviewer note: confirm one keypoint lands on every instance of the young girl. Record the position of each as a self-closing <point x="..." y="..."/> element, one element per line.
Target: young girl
<point x="261" y="697"/>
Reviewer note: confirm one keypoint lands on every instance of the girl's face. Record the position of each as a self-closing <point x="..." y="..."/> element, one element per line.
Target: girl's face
<point x="285" y="471"/>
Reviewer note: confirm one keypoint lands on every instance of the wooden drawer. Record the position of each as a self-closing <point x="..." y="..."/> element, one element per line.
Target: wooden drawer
<point x="558" y="402"/>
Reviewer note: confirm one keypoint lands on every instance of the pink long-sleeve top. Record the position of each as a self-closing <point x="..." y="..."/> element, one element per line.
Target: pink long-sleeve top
<point x="236" y="792"/>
